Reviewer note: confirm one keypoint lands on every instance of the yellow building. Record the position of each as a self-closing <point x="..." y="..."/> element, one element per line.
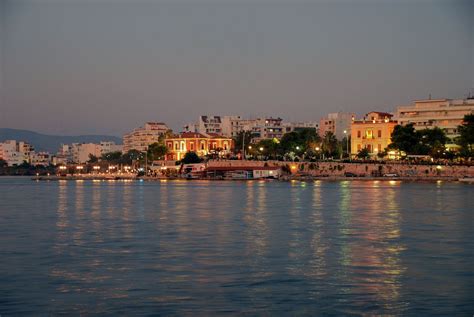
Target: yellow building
<point x="373" y="132"/>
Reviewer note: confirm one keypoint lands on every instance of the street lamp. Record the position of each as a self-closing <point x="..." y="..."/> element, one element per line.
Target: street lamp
<point x="317" y="150"/>
<point x="347" y="144"/>
<point x="261" y="149"/>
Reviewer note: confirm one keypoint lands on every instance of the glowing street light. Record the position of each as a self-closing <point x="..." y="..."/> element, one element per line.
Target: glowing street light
<point x="347" y="144"/>
<point x="261" y="148"/>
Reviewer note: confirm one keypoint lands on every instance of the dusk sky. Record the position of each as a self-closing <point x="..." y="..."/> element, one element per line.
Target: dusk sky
<point x="88" y="67"/>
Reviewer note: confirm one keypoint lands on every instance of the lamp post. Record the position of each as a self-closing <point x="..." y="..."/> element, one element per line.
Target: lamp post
<point x="347" y="144"/>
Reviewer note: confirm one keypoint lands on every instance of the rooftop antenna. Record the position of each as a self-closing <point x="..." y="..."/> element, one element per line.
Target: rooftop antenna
<point x="429" y="97"/>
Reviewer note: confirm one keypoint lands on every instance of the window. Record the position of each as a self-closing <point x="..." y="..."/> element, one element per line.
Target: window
<point x="379" y="148"/>
<point x="369" y="134"/>
<point x="191" y="146"/>
<point x="379" y="133"/>
<point x="358" y="133"/>
<point x="369" y="148"/>
<point x="202" y="145"/>
<point x="176" y="146"/>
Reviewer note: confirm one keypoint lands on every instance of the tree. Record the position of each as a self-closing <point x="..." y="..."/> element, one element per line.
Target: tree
<point x="245" y="136"/>
<point x="156" y="151"/>
<point x="130" y="156"/>
<point x="330" y="145"/>
<point x="92" y="158"/>
<point x="404" y="138"/>
<point x="363" y="153"/>
<point x="191" y="158"/>
<point x="270" y="147"/>
<point x="300" y="141"/>
<point x="466" y="136"/>
<point x="3" y="163"/>
<point x="432" y="142"/>
<point x="112" y="157"/>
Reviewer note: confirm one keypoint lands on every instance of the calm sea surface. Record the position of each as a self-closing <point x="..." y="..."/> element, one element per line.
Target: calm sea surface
<point x="251" y="248"/>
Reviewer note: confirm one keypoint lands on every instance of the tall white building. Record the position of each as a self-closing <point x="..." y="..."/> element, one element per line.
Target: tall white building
<point x="140" y="138"/>
<point x="337" y="123"/>
<point x="209" y="124"/>
<point x="295" y="126"/>
<point x="81" y="152"/>
<point x="15" y="152"/>
<point x="446" y="114"/>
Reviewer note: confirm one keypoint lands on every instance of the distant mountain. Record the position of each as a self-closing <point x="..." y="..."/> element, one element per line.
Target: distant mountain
<point x="51" y="143"/>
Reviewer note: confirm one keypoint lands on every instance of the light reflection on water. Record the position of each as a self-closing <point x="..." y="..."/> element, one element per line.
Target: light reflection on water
<point x="181" y="247"/>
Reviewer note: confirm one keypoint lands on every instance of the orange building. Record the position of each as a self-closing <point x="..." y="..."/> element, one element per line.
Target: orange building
<point x="202" y="144"/>
<point x="373" y="132"/>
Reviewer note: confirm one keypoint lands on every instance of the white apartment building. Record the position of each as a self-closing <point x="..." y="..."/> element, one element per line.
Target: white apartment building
<point x="15" y="152"/>
<point x="140" y="138"/>
<point x="232" y="125"/>
<point x="40" y="158"/>
<point x="337" y="123"/>
<point x="295" y="126"/>
<point x="446" y="114"/>
<point x="209" y="124"/>
<point x="109" y="146"/>
<point x="81" y="152"/>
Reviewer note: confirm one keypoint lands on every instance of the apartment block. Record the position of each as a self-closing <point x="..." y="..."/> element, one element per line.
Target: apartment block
<point x="15" y="152"/>
<point x="139" y="139"/>
<point x="446" y="114"/>
<point x="337" y="123"/>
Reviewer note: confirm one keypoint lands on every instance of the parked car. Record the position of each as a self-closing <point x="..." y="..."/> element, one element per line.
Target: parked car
<point x="349" y="174"/>
<point x="391" y="175"/>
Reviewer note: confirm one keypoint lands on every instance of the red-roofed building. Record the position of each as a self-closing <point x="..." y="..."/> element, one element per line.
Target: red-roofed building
<point x="202" y="144"/>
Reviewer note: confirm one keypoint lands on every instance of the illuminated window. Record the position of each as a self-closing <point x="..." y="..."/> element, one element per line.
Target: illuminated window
<point x="369" y="134"/>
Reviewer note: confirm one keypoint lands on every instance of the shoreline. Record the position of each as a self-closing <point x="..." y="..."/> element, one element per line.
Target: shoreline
<point x="282" y="179"/>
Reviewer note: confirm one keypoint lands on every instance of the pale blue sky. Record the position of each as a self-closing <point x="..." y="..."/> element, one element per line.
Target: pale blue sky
<point x="107" y="66"/>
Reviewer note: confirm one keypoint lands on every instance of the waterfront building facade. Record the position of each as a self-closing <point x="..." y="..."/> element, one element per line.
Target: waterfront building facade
<point x="266" y="128"/>
<point x="81" y="152"/>
<point x="179" y="145"/>
<point x="139" y="139"/>
<point x="297" y="126"/>
<point x="209" y="124"/>
<point x="373" y="132"/>
<point x="15" y="152"/>
<point x="337" y="123"/>
<point x="446" y="114"/>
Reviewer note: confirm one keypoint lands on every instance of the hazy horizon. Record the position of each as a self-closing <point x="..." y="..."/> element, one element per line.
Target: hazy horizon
<point x="103" y="67"/>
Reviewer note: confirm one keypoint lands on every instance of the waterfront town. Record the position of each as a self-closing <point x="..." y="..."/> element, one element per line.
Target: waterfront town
<point x="437" y="133"/>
